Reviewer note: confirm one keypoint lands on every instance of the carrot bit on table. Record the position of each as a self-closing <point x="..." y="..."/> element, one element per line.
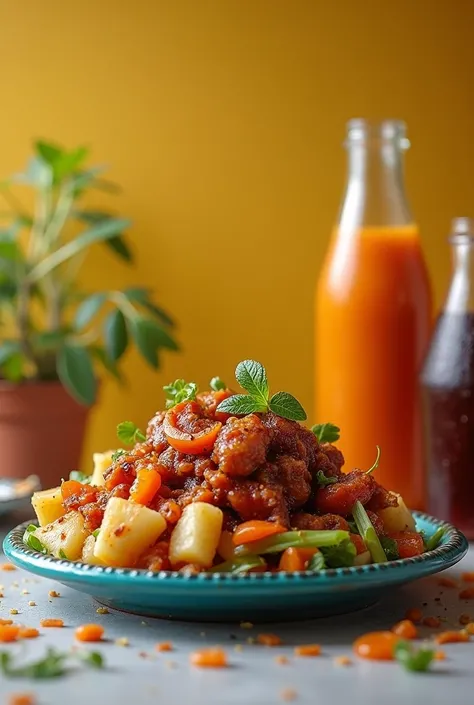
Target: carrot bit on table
<point x="467" y="594"/>
<point x="214" y="657"/>
<point x="342" y="661"/>
<point x="7" y="566"/>
<point x="469" y="628"/>
<point x="432" y="622"/>
<point x="5" y="621"/>
<point x="447" y="582"/>
<point x="89" y="632"/>
<point x="288" y="694"/>
<point x="164" y="646"/>
<point x="281" y="659"/>
<point x="269" y="639"/>
<point x="28" y="633"/>
<point x="377" y="646"/>
<point x="439" y="655"/>
<point x="21" y="699"/>
<point x="9" y="632"/>
<point x="52" y="623"/>
<point x="308" y="650"/>
<point x="406" y="629"/>
<point x="414" y="614"/>
<point x="452" y="637"/>
<point x="468" y="577"/>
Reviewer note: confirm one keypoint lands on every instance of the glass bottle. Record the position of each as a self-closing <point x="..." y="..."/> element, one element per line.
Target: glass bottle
<point x="373" y="315"/>
<point x="448" y="391"/>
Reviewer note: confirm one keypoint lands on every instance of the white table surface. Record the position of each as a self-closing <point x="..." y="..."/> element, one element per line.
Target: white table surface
<point x="137" y="674"/>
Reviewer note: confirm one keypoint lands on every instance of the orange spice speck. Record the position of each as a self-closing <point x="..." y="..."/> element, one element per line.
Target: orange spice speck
<point x="406" y="629"/>
<point x="308" y="650"/>
<point x="377" y="646"/>
<point x="470" y="628"/>
<point x="468" y="577"/>
<point x="214" y="657"/>
<point x="164" y="646"/>
<point x="467" y="594"/>
<point x="52" y="623"/>
<point x="414" y="614"/>
<point x="432" y="622"/>
<point x="342" y="661"/>
<point x="447" y="582"/>
<point x="9" y="632"/>
<point x="281" y="660"/>
<point x="288" y="694"/>
<point x="7" y="566"/>
<point x="269" y="639"/>
<point x="89" y="632"/>
<point x="452" y="637"/>
<point x="28" y="633"/>
<point x="21" y="699"/>
<point x="464" y="618"/>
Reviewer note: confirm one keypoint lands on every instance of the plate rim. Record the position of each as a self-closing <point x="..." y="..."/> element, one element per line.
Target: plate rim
<point x="450" y="551"/>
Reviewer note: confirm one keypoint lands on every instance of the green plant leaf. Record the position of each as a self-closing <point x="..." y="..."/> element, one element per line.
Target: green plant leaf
<point x="286" y="405"/>
<point x="37" y="173"/>
<point x="241" y="404"/>
<point x="115" y="334"/>
<point x="252" y="377"/>
<point x="217" y="385"/>
<point x="326" y="432"/>
<point x="149" y="337"/>
<point x="117" y="244"/>
<point x="129" y="433"/>
<point x="7" y="349"/>
<point x="12" y="364"/>
<point x="97" y="233"/>
<point x="75" y="370"/>
<point x="88" y="309"/>
<point x="50" y="153"/>
<point x="106" y="362"/>
<point x="142" y="296"/>
<point x="50" y="339"/>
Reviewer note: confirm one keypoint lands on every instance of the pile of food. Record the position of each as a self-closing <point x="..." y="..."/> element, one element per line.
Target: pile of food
<point x="225" y="482"/>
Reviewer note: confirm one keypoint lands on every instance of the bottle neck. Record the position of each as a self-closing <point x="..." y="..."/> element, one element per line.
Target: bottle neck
<point x="375" y="193"/>
<point x="460" y="297"/>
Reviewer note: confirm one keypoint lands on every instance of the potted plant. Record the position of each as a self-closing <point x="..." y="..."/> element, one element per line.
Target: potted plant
<point x="55" y="339"/>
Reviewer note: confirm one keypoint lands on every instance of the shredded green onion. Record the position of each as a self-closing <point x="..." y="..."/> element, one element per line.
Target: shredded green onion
<point x="238" y="565"/>
<point x="292" y="539"/>
<point x="368" y="533"/>
<point x="433" y="541"/>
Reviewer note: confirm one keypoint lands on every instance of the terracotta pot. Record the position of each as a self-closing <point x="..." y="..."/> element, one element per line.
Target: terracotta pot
<point x="41" y="431"/>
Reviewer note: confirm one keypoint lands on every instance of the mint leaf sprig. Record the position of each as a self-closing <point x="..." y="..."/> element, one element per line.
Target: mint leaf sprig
<point x="179" y="391"/>
<point x="252" y="377"/>
<point x="53" y="665"/>
<point x="326" y="432"/>
<point x="129" y="433"/>
<point x="217" y="385"/>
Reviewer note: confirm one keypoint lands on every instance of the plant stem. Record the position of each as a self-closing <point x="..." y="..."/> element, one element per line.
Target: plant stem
<point x="23" y="322"/>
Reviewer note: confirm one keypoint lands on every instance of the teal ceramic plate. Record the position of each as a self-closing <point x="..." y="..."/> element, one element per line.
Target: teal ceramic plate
<point x="255" y="597"/>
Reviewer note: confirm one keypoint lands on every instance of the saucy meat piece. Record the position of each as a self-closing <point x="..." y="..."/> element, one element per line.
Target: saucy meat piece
<point x="327" y="522"/>
<point x="174" y="467"/>
<point x="285" y="436"/>
<point x="241" y="446"/>
<point x="291" y="475"/>
<point x="339" y="498"/>
<point x="254" y="500"/>
<point x="334" y="456"/>
<point x="377" y="523"/>
<point x="155" y="434"/>
<point x="381" y="499"/>
<point x="210" y="401"/>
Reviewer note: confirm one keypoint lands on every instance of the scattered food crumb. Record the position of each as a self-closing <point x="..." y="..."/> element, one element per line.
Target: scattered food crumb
<point x="464" y="618"/>
<point x="171" y="664"/>
<point x="5" y="621"/>
<point x="28" y="633"/>
<point x="164" y="646"/>
<point x="439" y="655"/>
<point x="470" y="628"/>
<point x="468" y="577"/>
<point x="406" y="629"/>
<point x="246" y="625"/>
<point x="7" y="566"/>
<point x="89" y="632"/>
<point x="214" y="657"/>
<point x="25" y="592"/>
<point x="144" y="624"/>
<point x="343" y="661"/>
<point x="447" y="582"/>
<point x="467" y="594"/>
<point x="281" y="660"/>
<point x="122" y="641"/>
<point x="432" y="622"/>
<point x="31" y="603"/>
<point x="251" y="640"/>
<point x="16" y="583"/>
<point x="143" y="654"/>
<point x="21" y="699"/>
<point x="238" y="647"/>
<point x="308" y="650"/>
<point x="452" y="637"/>
<point x="1" y="595"/>
<point x="52" y="623"/>
<point x="9" y="632"/>
<point x="288" y="694"/>
<point x="414" y="614"/>
<point x="437" y="599"/>
<point x="53" y="593"/>
<point x="14" y="611"/>
<point x="102" y="610"/>
<point x="269" y="639"/>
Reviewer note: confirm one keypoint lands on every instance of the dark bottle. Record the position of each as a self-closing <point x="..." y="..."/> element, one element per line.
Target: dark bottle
<point x="448" y="392"/>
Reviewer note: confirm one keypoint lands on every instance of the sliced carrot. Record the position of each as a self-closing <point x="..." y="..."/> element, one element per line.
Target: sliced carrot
<point x="52" y="623"/>
<point x="145" y="487"/>
<point x="406" y="629"/>
<point x="452" y="637"/>
<point x="183" y="441"/>
<point x="70" y="488"/>
<point x="468" y="577"/>
<point x="308" y="650"/>
<point x="294" y="559"/>
<point x="377" y="646"/>
<point x="164" y="646"/>
<point x="28" y="633"/>
<point x="214" y="657"/>
<point x="255" y="530"/>
<point x="89" y="632"/>
<point x="269" y="639"/>
<point x="9" y="632"/>
<point x="432" y="622"/>
<point x="21" y="699"/>
<point x="467" y="594"/>
<point x="414" y="614"/>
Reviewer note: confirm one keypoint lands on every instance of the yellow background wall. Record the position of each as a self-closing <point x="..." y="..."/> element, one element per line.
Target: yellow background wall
<point x="223" y="122"/>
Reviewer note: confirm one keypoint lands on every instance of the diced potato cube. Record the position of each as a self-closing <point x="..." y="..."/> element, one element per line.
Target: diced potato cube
<point x="88" y="552"/>
<point x="48" y="505"/>
<point x="102" y="461"/>
<point x="363" y="558"/>
<point x="65" y="537"/>
<point x="127" y="530"/>
<point x="397" y="518"/>
<point x="196" y="535"/>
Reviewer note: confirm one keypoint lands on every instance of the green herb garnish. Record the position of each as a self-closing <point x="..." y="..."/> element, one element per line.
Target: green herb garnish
<point x="326" y="432"/>
<point x="54" y="664"/>
<point x="216" y="384"/>
<point x="33" y="541"/>
<point x="96" y="533"/>
<point x="292" y="539"/>
<point x="340" y="556"/>
<point x="118" y="454"/>
<point x="252" y="377"/>
<point x="324" y="481"/>
<point x="368" y="533"/>
<point x="91" y="658"/>
<point x="129" y="433"/>
<point x="80" y="476"/>
<point x="180" y="391"/>
<point x="316" y="562"/>
<point x="390" y="547"/>
<point x="376" y="463"/>
<point x="433" y="541"/>
<point x="62" y="555"/>
<point x="413" y="659"/>
<point x="238" y="565"/>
